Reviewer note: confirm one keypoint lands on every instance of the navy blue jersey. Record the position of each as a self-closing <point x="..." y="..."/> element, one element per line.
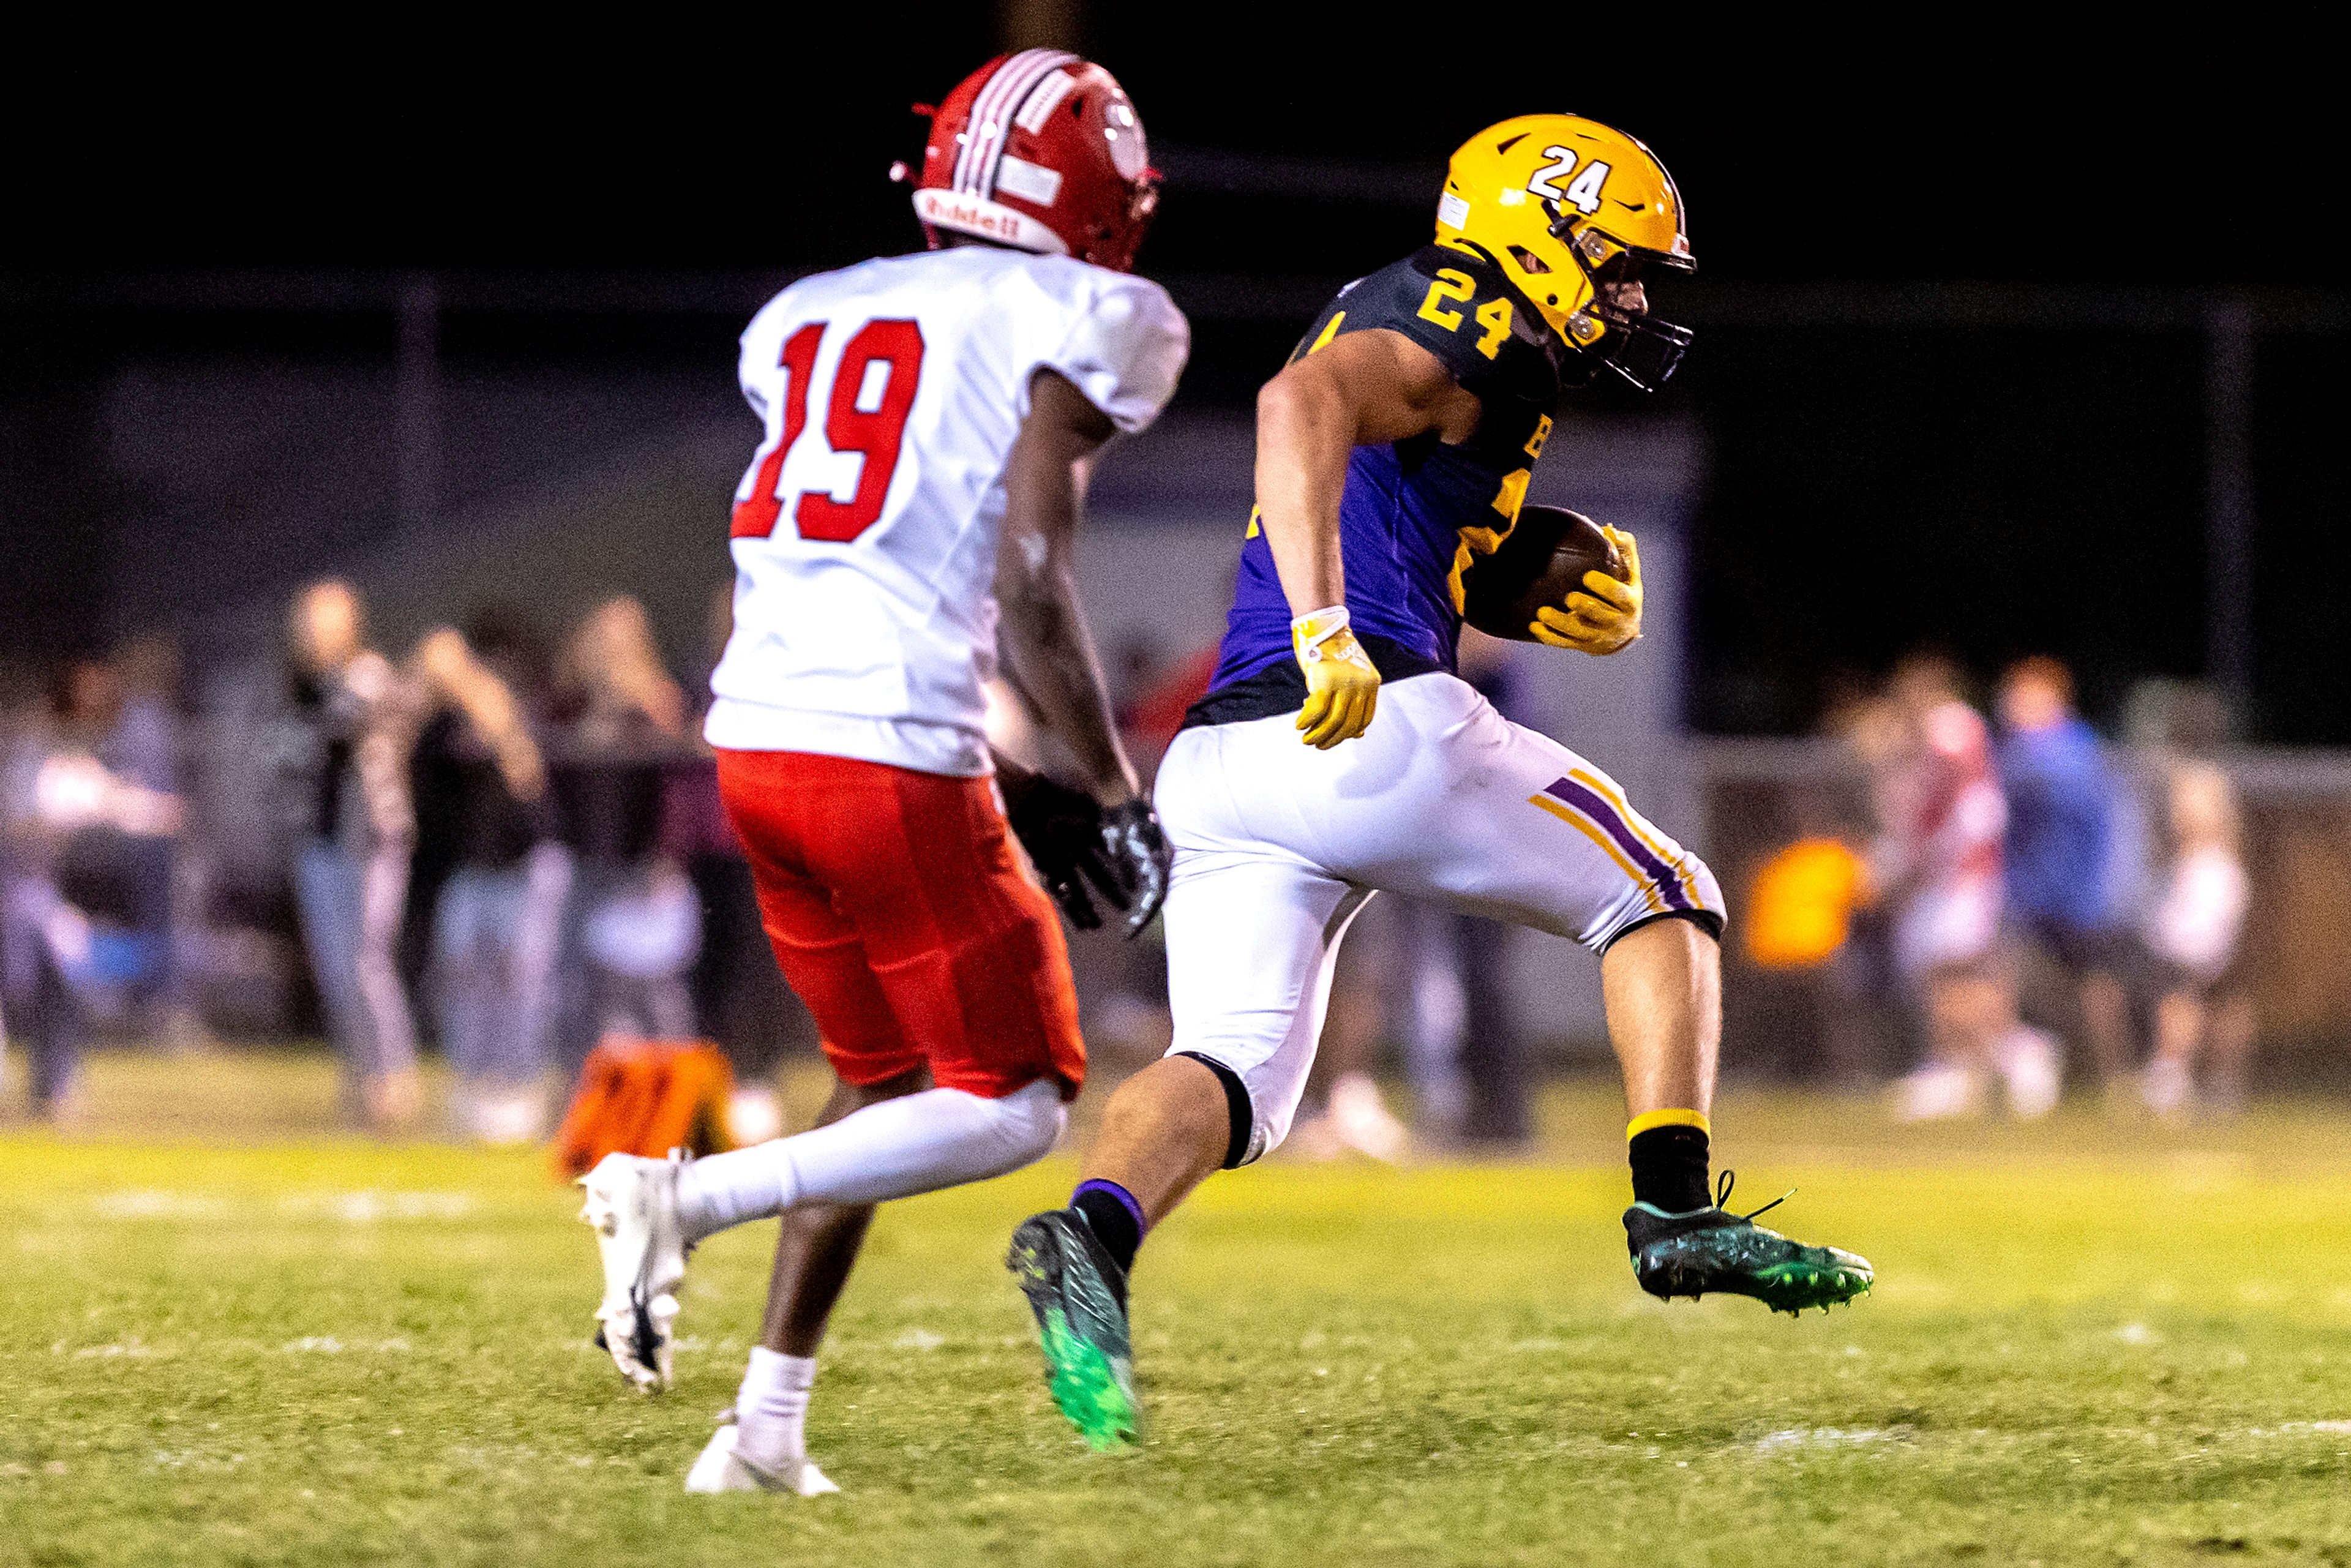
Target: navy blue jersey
<point x="1414" y="513"/>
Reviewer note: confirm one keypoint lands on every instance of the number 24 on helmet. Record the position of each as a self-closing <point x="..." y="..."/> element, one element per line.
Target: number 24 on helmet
<point x="1563" y="205"/>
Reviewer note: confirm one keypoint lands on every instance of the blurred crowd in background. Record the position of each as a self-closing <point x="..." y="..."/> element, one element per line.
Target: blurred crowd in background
<point x="1957" y="870"/>
<point x="506" y="847"/>
<point x="509" y="847"/>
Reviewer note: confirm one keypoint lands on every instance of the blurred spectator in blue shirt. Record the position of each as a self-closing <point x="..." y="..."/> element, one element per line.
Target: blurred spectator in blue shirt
<point x="2065" y="841"/>
<point x="66" y="824"/>
<point x="145" y="747"/>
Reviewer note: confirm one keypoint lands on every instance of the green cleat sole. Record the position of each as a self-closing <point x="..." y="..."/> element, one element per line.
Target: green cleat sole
<point x="1086" y="1388"/>
<point x="1791" y="1287"/>
<point x="1087" y="1373"/>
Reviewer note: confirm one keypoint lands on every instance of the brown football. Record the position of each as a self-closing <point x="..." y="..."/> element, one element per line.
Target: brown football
<point x="1541" y="562"/>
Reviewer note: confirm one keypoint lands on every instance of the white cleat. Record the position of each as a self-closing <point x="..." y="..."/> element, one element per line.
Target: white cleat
<point x="631" y="1205"/>
<point x="721" y="1469"/>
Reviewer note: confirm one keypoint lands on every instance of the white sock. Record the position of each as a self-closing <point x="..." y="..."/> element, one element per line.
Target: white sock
<point x="915" y="1144"/>
<point x="772" y="1409"/>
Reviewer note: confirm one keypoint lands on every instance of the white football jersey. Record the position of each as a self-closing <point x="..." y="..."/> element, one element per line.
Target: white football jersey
<point x="865" y="532"/>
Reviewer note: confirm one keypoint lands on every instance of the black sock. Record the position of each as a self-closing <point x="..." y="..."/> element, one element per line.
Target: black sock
<point x="1669" y="1165"/>
<point x="1116" y="1218"/>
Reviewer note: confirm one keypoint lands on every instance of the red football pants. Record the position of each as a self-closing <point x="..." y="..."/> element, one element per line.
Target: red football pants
<point x="903" y="917"/>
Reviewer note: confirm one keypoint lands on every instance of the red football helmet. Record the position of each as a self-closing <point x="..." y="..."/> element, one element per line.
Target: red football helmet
<point x="1040" y="151"/>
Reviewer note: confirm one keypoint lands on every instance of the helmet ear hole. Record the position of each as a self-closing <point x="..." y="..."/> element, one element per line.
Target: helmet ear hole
<point x="1529" y="260"/>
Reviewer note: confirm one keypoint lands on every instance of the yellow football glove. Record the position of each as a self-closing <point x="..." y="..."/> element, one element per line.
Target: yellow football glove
<point x="1343" y="689"/>
<point x="1604" y="616"/>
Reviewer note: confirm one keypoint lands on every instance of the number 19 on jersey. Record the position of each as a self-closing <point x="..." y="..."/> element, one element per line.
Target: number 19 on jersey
<point x="865" y="412"/>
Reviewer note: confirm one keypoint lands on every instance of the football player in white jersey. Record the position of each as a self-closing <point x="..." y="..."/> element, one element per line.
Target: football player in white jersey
<point x="1393" y="455"/>
<point x="928" y="422"/>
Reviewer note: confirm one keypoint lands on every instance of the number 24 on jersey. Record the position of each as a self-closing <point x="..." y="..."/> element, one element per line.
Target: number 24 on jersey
<point x="895" y="347"/>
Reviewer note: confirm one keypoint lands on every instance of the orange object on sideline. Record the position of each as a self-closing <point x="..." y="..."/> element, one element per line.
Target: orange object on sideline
<point x="646" y="1097"/>
<point x="1801" y="904"/>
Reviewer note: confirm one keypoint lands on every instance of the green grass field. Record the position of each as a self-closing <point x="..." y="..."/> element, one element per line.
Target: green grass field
<point x="231" y="1341"/>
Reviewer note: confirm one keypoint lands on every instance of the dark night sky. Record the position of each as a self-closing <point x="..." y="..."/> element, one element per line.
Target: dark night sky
<point x="1999" y="493"/>
<point x="1805" y="151"/>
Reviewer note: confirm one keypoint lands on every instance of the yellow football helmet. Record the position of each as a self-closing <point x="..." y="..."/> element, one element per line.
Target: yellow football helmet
<point x="1560" y="203"/>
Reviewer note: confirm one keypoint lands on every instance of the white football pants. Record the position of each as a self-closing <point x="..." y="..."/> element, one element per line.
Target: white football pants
<point x="1279" y="845"/>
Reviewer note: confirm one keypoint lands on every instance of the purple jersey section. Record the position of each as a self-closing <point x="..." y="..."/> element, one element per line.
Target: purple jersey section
<point x="1399" y="525"/>
<point x="1402" y="514"/>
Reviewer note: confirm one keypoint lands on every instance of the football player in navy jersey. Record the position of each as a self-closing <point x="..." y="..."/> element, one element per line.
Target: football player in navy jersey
<point x="1393" y="452"/>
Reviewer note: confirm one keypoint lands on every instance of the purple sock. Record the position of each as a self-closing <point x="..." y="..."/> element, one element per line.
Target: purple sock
<point x="1116" y="1218"/>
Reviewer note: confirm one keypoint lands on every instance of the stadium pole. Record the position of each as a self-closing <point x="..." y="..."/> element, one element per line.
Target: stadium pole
<point x="2229" y="502"/>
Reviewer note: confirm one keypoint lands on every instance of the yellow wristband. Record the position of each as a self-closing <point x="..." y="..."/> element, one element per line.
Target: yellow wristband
<point x="1647" y="1119"/>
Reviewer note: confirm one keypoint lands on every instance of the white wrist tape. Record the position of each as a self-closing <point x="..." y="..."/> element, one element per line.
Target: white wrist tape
<point x="1316" y="627"/>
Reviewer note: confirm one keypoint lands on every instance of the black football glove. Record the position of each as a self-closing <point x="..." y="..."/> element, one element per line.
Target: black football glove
<point x="1073" y="842"/>
<point x="1062" y="830"/>
<point x="1138" y="852"/>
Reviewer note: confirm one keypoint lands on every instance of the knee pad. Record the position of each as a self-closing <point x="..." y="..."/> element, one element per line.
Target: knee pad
<point x="1239" y="1116"/>
<point x="1705" y="920"/>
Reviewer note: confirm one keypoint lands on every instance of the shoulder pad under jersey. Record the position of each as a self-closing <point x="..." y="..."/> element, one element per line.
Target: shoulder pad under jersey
<point x="1459" y="307"/>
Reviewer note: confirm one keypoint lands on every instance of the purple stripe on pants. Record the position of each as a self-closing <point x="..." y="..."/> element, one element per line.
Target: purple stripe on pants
<point x="1594" y="805"/>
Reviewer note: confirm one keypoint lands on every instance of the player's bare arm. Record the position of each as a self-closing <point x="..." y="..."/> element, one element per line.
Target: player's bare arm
<point x="1048" y="656"/>
<point x="1043" y="638"/>
<point x="1358" y="390"/>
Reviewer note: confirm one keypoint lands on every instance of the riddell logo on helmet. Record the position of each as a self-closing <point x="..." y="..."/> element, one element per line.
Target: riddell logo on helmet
<point x="941" y="208"/>
<point x="988" y="220"/>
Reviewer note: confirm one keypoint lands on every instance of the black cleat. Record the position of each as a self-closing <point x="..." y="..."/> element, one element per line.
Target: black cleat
<point x="1710" y="1249"/>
